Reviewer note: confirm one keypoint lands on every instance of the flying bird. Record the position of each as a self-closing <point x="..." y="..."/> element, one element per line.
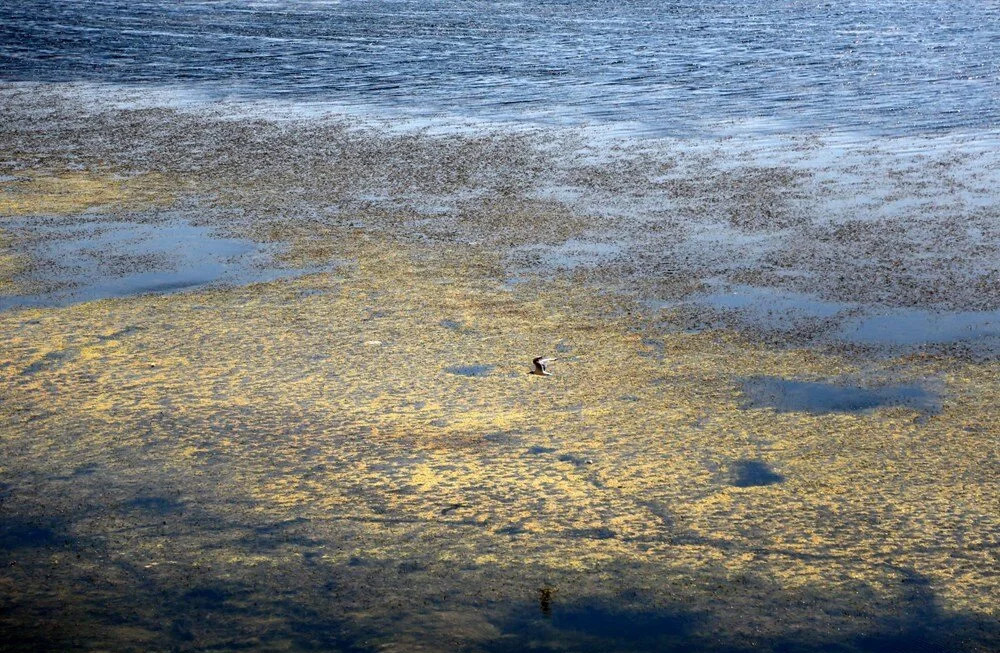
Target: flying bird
<point x="541" y="366"/>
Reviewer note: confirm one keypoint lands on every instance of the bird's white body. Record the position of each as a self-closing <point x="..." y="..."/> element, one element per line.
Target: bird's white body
<point x="540" y="366"/>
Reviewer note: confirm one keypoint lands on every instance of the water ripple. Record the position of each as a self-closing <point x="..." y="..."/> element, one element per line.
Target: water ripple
<point x="895" y="67"/>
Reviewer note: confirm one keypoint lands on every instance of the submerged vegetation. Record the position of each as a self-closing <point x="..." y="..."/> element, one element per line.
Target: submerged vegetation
<point x="357" y="459"/>
<point x="225" y="447"/>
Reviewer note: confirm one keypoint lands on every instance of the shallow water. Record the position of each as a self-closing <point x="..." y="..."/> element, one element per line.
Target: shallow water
<point x="286" y="474"/>
<point x="770" y="305"/>
<point x="851" y="322"/>
<point x="80" y="262"/>
<point x="570" y="255"/>
<point x="820" y="397"/>
<point x="916" y="326"/>
<point x="894" y="67"/>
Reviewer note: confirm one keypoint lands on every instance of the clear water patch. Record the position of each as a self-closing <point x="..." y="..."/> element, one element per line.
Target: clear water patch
<point x="822" y="397"/>
<point x="858" y="323"/>
<point x="764" y="304"/>
<point x="79" y="262"/>
<point x="907" y="327"/>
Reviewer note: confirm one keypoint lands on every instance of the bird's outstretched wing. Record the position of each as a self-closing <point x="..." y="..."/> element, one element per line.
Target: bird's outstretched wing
<point x="541" y="363"/>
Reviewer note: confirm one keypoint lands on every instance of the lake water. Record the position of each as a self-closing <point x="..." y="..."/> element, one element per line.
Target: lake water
<point x="902" y="97"/>
<point x="668" y="68"/>
<point x="823" y="171"/>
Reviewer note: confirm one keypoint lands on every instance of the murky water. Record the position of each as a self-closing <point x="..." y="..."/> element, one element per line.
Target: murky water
<point x="893" y="67"/>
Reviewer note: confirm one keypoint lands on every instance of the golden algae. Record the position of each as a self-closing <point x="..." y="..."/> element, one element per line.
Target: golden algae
<point x="323" y="436"/>
<point x="12" y="265"/>
<point x="70" y="192"/>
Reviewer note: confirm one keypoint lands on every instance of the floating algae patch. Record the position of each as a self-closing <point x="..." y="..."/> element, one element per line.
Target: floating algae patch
<point x="11" y="267"/>
<point x="789" y="395"/>
<point x="79" y="262"/>
<point x="225" y="456"/>
<point x="76" y="192"/>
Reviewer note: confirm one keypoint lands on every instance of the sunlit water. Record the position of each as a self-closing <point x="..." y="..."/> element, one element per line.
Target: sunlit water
<point x="889" y="68"/>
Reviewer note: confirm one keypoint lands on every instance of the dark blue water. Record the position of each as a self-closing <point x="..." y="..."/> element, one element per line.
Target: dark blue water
<point x="890" y="67"/>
